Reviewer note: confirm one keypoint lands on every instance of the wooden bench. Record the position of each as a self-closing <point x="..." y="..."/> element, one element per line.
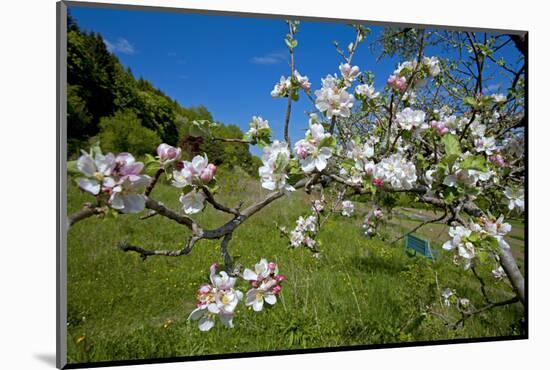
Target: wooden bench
<point x="419" y="245"/>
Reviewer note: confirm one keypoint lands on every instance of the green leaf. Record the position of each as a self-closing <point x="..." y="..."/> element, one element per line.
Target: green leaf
<point x="452" y="145"/>
<point x="470" y="101"/>
<point x="448" y="160"/>
<point x="474" y="162"/>
<point x="329" y="141"/>
<point x="291" y="43"/>
<point x="450" y="195"/>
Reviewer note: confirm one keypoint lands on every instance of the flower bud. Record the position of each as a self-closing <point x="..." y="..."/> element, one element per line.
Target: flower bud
<point x="208" y="173"/>
<point x="168" y="153"/>
<point x="276" y="289"/>
<point x="378" y="182"/>
<point x="254" y="284"/>
<point x="272" y="266"/>
<point x="280" y="278"/>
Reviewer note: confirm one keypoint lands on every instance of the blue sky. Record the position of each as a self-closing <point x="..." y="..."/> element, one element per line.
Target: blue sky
<point x="227" y="63"/>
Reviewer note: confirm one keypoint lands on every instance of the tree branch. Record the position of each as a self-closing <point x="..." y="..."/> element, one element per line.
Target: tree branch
<point x="87" y="211"/>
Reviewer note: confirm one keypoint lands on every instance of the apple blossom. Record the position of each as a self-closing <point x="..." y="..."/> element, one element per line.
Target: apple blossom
<point x="497" y="228"/>
<point x="265" y="281"/>
<point x="366" y="91"/>
<point x="219" y="298"/>
<point x="118" y="178"/>
<point x="311" y="151"/>
<point x="192" y="202"/>
<point x="275" y="159"/>
<point x="398" y="83"/>
<point x="332" y="100"/>
<point x="318" y="205"/>
<point x="498" y="160"/>
<point x="440" y="127"/>
<point x="281" y="88"/>
<point x="485" y="144"/>
<point x="126" y="194"/>
<point x="395" y="171"/>
<point x="258" y="126"/>
<point x="409" y="119"/>
<point x="168" y="154"/>
<point x="347" y="208"/>
<point x="303" y="81"/>
<point x="97" y="171"/>
<point x="433" y="65"/>
<point x="349" y="73"/>
<point x="515" y="197"/>
<point x="196" y="172"/>
<point x="208" y="173"/>
<point x="459" y="240"/>
<point x="296" y="238"/>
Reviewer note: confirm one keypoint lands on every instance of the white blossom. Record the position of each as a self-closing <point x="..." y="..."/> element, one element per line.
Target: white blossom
<point x="396" y="171"/>
<point x="433" y="65"/>
<point x="192" y="202"/>
<point x="409" y="119"/>
<point x="309" y="151"/>
<point x="332" y="100"/>
<point x="273" y="172"/>
<point x="257" y="124"/>
<point x="366" y="91"/>
<point x="515" y="197"/>
<point x="217" y="299"/>
<point x="347" y="208"/>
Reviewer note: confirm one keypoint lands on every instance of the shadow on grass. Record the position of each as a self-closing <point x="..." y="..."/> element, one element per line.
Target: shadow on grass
<point x="376" y="263"/>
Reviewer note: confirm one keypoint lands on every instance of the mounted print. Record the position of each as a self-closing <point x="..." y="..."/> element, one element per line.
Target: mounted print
<point x="236" y="184"/>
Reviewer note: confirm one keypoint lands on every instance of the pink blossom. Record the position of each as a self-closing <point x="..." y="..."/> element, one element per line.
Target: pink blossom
<point x="167" y="153"/>
<point x="498" y="160"/>
<point x="439" y="127"/>
<point x="208" y="173"/>
<point x="378" y="182"/>
<point x="397" y="83"/>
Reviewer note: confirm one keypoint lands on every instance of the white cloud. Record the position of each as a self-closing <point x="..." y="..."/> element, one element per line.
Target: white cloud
<point x="271" y="58"/>
<point x="493" y="88"/>
<point x="121" y="45"/>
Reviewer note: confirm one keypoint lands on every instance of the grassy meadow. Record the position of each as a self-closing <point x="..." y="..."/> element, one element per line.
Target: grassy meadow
<point x="362" y="291"/>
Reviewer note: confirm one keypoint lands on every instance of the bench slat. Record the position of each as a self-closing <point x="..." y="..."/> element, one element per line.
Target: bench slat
<point x="419" y="245"/>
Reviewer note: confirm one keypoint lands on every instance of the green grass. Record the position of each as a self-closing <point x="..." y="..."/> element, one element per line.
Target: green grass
<point x="360" y="292"/>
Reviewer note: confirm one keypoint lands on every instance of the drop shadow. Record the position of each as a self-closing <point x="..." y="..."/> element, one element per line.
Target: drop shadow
<point x="47" y="358"/>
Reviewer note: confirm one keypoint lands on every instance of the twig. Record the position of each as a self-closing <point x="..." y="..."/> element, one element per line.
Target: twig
<point x="152" y="184"/>
<point x="232" y="140"/>
<point x="419" y="226"/>
<point x="210" y="199"/>
<point x="87" y="211"/>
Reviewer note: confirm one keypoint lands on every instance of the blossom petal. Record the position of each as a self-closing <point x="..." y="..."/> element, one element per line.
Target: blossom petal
<point x="86" y="165"/>
<point x="249" y="275"/>
<point x="206" y="323"/>
<point x="258" y="305"/>
<point x="89" y="185"/>
<point x="448" y="245"/>
<point x="270" y="298"/>
<point x="196" y="314"/>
